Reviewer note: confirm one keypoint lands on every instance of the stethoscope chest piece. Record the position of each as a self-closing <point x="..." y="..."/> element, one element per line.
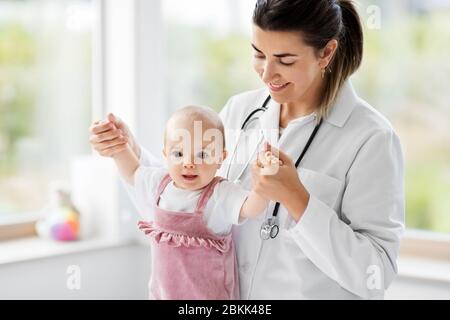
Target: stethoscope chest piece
<point x="269" y="229"/>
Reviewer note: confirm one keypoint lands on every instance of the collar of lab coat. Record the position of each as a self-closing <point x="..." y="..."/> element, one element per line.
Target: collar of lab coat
<point x="346" y="101"/>
<point x="339" y="113"/>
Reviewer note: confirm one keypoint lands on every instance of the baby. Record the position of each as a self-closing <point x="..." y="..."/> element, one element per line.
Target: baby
<point x="193" y="254"/>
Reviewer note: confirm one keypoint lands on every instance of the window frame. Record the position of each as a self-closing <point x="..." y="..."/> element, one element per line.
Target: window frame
<point x="23" y="226"/>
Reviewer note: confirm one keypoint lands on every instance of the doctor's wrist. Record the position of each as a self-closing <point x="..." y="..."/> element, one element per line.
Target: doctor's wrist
<point x="297" y="203"/>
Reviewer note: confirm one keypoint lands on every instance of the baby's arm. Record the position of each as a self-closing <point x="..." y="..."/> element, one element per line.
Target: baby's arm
<point x="253" y="206"/>
<point x="126" y="160"/>
<point x="127" y="163"/>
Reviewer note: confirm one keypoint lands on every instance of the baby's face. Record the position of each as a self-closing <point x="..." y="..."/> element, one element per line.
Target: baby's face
<point x="193" y="153"/>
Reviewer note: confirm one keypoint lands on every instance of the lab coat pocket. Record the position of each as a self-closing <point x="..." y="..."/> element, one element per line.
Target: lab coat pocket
<point x="323" y="187"/>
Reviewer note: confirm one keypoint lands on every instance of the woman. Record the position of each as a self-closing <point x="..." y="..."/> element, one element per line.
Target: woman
<point x="341" y="212"/>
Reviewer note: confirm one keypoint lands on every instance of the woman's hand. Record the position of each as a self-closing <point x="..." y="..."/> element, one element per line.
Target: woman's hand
<point x="111" y="137"/>
<point x="283" y="186"/>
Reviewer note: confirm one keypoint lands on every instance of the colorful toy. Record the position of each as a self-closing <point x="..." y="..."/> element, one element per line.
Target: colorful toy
<point x="62" y="219"/>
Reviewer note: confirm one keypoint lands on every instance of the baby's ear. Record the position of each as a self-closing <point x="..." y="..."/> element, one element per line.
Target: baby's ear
<point x="225" y="154"/>
<point x="164" y="153"/>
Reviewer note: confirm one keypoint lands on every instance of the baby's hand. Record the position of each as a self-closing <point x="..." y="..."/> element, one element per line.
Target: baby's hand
<point x="270" y="163"/>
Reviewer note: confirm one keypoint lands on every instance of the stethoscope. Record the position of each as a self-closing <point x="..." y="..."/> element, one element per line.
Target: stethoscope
<point x="270" y="228"/>
<point x="250" y="118"/>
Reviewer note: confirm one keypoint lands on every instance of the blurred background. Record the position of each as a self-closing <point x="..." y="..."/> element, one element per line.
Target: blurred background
<point x="65" y="63"/>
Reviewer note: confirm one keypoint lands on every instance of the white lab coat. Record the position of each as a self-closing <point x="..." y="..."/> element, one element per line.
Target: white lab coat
<point x="346" y="244"/>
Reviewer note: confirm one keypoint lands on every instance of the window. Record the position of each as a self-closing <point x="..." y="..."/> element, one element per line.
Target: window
<point x="45" y="98"/>
<point x="208" y="49"/>
<point x="405" y="74"/>
<point x="46" y="73"/>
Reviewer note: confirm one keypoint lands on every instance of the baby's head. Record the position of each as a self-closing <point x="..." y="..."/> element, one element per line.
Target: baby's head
<point x="194" y="145"/>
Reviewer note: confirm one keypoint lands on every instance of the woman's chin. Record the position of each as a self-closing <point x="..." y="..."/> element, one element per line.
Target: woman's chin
<point x="277" y="98"/>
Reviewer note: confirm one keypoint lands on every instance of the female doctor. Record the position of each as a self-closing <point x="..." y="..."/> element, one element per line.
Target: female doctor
<point x="335" y="231"/>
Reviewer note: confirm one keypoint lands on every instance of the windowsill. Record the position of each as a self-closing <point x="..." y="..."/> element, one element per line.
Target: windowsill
<point x="28" y="249"/>
<point x="425" y="255"/>
<point x="424" y="269"/>
<point x="425" y="245"/>
<point x="410" y="264"/>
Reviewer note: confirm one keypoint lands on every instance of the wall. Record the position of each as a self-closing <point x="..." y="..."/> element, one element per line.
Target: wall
<point x="115" y="273"/>
<point x="123" y="272"/>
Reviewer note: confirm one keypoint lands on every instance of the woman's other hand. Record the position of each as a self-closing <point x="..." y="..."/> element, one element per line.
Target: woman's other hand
<point x="282" y="186"/>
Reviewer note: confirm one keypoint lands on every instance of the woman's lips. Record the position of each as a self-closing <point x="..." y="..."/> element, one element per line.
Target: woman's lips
<point x="275" y="87"/>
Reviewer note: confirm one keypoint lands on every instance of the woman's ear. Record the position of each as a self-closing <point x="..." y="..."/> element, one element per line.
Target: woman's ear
<point x="327" y="53"/>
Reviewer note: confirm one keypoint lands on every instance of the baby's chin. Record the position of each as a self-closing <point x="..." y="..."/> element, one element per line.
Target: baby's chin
<point x="192" y="183"/>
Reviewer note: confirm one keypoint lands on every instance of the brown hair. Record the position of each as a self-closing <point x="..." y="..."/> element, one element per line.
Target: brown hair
<point x="318" y="22"/>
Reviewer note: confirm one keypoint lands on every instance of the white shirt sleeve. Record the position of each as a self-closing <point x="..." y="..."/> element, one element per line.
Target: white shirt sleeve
<point x="151" y="162"/>
<point x="228" y="199"/>
<point x="146" y="183"/>
<point x="360" y="254"/>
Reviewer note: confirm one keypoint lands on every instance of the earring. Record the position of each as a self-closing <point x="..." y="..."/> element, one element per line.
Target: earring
<point x="323" y="72"/>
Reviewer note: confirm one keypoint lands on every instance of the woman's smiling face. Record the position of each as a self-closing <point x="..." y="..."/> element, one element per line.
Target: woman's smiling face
<point x="287" y="66"/>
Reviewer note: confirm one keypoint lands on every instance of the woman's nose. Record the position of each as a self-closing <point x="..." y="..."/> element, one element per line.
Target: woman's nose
<point x="268" y="72"/>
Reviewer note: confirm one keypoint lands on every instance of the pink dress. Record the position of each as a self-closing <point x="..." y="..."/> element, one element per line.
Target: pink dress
<point x="189" y="262"/>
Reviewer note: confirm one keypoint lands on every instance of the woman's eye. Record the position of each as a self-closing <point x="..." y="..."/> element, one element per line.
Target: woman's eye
<point x="287" y="63"/>
<point x="257" y="56"/>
